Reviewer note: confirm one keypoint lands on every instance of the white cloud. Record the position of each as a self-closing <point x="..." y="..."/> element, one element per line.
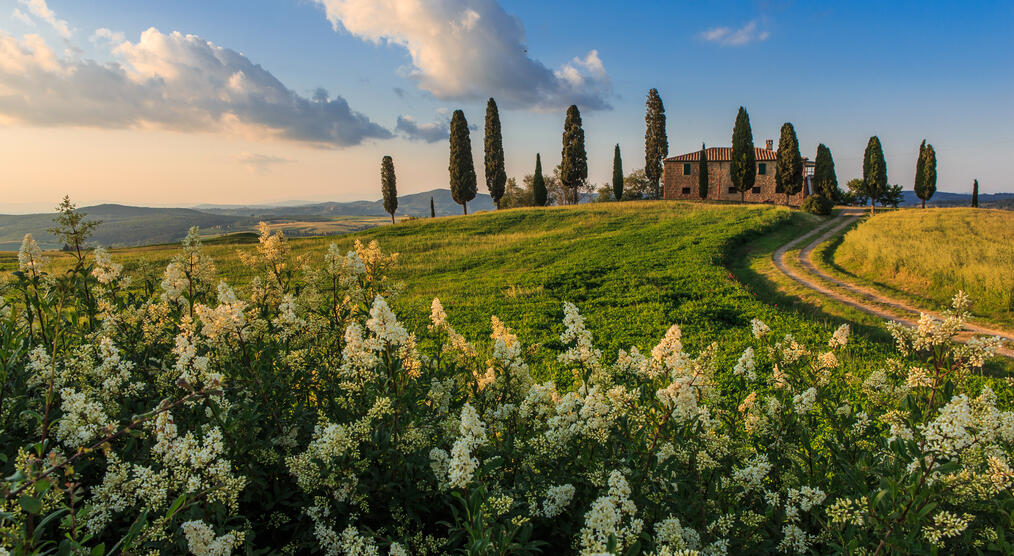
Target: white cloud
<point x="430" y="133"/>
<point x="22" y="17"/>
<point x="40" y="10"/>
<point x="106" y="36"/>
<point x="171" y="81"/>
<point x="727" y="36"/>
<point x="472" y="49"/>
<point x="261" y="163"/>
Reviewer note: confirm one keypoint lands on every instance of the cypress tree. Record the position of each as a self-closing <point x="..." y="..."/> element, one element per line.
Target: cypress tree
<point x="702" y="173"/>
<point x="824" y="176"/>
<point x="743" y="168"/>
<point x="433" y="209"/>
<point x="919" y="173"/>
<point x="874" y="172"/>
<point x="388" y="186"/>
<point x="617" y="174"/>
<point x="656" y="145"/>
<point x="789" y="165"/>
<point x="926" y="174"/>
<point x="462" y="170"/>
<point x="539" y="193"/>
<point x="574" y="163"/>
<point x="975" y="194"/>
<point x="496" y="176"/>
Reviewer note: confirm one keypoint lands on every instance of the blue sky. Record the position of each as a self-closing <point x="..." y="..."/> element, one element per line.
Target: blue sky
<point x="839" y="72"/>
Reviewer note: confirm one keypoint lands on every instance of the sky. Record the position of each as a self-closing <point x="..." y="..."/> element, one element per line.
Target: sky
<point x="258" y="101"/>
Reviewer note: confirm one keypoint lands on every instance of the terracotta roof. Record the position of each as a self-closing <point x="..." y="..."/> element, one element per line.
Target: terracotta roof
<point x="723" y="154"/>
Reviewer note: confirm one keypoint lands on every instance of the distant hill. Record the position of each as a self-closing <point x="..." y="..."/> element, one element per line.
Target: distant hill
<point x="130" y="226"/>
<point x="415" y="204"/>
<point x="945" y="199"/>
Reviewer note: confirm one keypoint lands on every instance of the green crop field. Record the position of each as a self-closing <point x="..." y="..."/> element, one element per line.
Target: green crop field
<point x="930" y="254"/>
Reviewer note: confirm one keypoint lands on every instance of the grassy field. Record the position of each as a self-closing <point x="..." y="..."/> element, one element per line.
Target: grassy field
<point x="633" y="269"/>
<point x="930" y="254"/>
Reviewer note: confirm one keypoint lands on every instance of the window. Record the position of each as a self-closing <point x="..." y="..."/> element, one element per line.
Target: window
<point x="732" y="189"/>
<point x="686" y="169"/>
<point x="755" y="190"/>
<point x="686" y="191"/>
<point x="762" y="169"/>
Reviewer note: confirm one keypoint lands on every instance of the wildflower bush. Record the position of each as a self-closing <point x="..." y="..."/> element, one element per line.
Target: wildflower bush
<point x="179" y="416"/>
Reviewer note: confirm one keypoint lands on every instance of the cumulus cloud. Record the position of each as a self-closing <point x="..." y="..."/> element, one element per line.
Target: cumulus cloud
<point x="40" y="10"/>
<point x="727" y="36"/>
<point x="430" y="132"/>
<point x="172" y="81"/>
<point x="261" y="163"/>
<point x="472" y="49"/>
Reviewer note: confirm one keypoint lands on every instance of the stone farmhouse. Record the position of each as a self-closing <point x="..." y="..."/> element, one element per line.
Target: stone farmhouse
<point x="680" y="177"/>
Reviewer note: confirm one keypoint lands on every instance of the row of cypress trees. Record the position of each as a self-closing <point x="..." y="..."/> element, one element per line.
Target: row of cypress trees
<point x="743" y="170"/>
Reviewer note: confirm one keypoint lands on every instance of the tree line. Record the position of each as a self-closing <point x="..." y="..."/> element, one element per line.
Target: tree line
<point x="568" y="182"/>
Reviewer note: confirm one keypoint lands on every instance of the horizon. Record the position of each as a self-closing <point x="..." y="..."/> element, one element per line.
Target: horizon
<point x="191" y="104"/>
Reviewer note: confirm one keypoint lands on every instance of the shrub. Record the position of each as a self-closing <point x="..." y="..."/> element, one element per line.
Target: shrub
<point x="303" y="417"/>
<point x="817" y="204"/>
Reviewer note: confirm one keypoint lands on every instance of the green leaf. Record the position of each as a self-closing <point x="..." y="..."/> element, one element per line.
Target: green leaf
<point x="30" y="504"/>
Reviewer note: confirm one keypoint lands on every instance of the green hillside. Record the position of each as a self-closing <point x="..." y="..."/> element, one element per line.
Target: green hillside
<point x="633" y="268"/>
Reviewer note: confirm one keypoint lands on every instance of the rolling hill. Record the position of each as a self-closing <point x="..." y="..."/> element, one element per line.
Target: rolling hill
<point x="125" y="226"/>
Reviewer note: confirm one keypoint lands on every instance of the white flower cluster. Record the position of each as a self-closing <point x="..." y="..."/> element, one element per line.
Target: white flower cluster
<point x="556" y="501"/>
<point x="840" y="337"/>
<point x="225" y="322"/>
<point x="852" y="511"/>
<point x="752" y="475"/>
<point x="963" y="423"/>
<point x="759" y="329"/>
<point x="582" y="353"/>
<point x="30" y="258"/>
<point x="201" y="539"/>
<point x="105" y="270"/>
<point x="746" y="366"/>
<point x="83" y="420"/>
<point x="611" y="515"/>
<point x="674" y="537"/>
<point x="805" y="401"/>
<point x="946" y="525"/>
<point x="471" y="435"/>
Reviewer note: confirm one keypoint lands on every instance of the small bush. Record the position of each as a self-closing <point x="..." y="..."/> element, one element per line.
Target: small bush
<point x="817" y="204"/>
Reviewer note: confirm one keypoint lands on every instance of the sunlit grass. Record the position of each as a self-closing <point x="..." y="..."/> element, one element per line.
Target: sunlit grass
<point x="932" y="253"/>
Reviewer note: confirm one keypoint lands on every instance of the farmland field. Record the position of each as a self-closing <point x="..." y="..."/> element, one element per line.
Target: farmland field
<point x="930" y="254"/>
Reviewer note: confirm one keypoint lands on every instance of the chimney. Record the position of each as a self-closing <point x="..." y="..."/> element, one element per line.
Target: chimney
<point x="770" y="144"/>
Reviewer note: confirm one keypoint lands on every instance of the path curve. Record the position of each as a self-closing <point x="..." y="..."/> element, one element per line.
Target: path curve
<point x="858" y="297"/>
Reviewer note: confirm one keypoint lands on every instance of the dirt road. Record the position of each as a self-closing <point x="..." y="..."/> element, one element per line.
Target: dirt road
<point x="856" y="296"/>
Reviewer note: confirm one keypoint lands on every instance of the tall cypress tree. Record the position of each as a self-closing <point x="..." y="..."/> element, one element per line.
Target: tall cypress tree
<point x="702" y="173"/>
<point x="617" y="174"/>
<point x="975" y="194"/>
<point x="433" y="209"/>
<point x="388" y="186"/>
<point x="874" y="172"/>
<point x="789" y="165"/>
<point x="743" y="168"/>
<point x="539" y="193"/>
<point x="824" y="177"/>
<point x="461" y="167"/>
<point x="919" y="173"/>
<point x="574" y="163"/>
<point x="656" y="145"/>
<point x="926" y="173"/>
<point x="496" y="176"/>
